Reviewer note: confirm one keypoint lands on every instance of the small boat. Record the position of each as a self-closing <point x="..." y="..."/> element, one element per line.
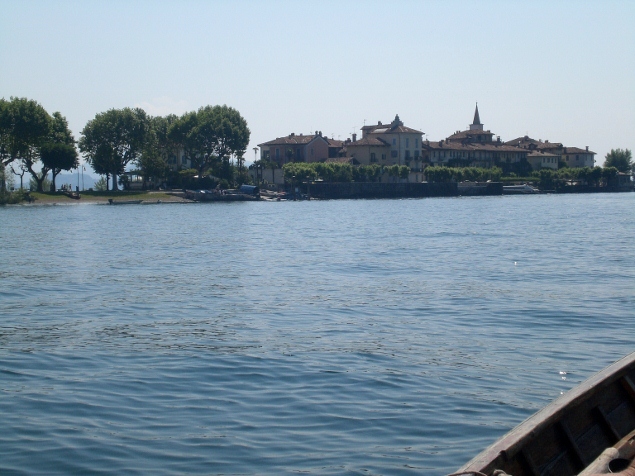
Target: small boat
<point x="124" y="202"/>
<point x="588" y="431"/>
<point x="519" y="189"/>
<point x="73" y="195"/>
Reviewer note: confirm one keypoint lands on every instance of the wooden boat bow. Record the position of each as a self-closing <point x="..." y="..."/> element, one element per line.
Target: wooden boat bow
<point x="567" y="436"/>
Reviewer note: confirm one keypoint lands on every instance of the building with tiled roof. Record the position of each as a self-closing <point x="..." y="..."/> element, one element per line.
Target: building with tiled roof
<point x="570" y="156"/>
<point x="300" y="148"/>
<point x="471" y="154"/>
<point x="387" y="144"/>
<point x="473" y="147"/>
<point x="576" y="157"/>
<point x="543" y="160"/>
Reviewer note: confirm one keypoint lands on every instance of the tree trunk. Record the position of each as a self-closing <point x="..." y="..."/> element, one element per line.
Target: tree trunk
<point x="54" y="174"/>
<point x="114" y="182"/>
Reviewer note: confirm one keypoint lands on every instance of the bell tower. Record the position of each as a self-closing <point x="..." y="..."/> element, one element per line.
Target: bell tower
<point x="476" y="124"/>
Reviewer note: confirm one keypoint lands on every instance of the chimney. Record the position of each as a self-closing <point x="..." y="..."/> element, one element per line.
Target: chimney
<point x="354" y="137"/>
<point x="587" y="148"/>
<point x="292" y="134"/>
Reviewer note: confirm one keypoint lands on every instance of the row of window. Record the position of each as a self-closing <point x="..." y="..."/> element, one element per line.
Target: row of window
<point x="394" y="142"/>
<point x="393" y="154"/>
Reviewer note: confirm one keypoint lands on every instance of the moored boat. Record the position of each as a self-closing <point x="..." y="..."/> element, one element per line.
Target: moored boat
<point x="519" y="189"/>
<point x="588" y="431"/>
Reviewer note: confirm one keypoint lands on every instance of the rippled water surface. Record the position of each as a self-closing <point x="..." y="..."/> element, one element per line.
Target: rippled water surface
<point x="338" y="337"/>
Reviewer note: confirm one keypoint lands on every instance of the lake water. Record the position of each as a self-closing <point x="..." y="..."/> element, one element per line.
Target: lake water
<point x="335" y="337"/>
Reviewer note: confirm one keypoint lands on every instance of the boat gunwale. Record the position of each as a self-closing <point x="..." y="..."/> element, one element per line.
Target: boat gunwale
<point x="512" y="442"/>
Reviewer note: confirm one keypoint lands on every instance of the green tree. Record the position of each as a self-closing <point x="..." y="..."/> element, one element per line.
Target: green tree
<point x="210" y="137"/>
<point x="25" y="127"/>
<point x="59" y="152"/>
<point x="113" y="139"/>
<point x="101" y="185"/>
<point x="621" y="159"/>
<point x="58" y="157"/>
<point x="157" y="148"/>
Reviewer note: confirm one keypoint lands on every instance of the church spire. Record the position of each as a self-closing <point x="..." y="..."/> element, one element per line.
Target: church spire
<point x="477" y="119"/>
<point x="476" y="124"/>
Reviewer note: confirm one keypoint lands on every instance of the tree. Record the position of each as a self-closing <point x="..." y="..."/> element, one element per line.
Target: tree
<point x="210" y="137"/>
<point x="59" y="153"/>
<point x="58" y="157"/>
<point x="621" y="159"/>
<point x="25" y="127"/>
<point x="158" y="146"/>
<point x="113" y="139"/>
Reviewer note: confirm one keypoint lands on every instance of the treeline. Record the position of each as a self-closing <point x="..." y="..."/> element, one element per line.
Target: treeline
<point x="460" y="174"/>
<point x="546" y="178"/>
<point x="341" y="172"/>
<point x="33" y="141"/>
<point x="209" y="139"/>
<point x="593" y="176"/>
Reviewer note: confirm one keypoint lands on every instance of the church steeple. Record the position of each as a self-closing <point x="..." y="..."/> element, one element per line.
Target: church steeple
<point x="476" y="124"/>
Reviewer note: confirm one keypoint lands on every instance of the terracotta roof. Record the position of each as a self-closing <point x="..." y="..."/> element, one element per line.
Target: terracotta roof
<point x="292" y="139"/>
<point x="526" y="140"/>
<point x="465" y="134"/>
<point x="391" y="130"/>
<point x="535" y="153"/>
<point x="549" y="145"/>
<point x="576" y="150"/>
<point x="395" y="126"/>
<point x="369" y="141"/>
<point x="335" y="142"/>
<point x="460" y="146"/>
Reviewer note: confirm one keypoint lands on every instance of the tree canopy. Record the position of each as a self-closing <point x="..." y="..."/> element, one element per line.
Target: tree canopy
<point x="210" y="137"/>
<point x="59" y="153"/>
<point x="621" y="159"/>
<point x="113" y="139"/>
<point x="29" y="135"/>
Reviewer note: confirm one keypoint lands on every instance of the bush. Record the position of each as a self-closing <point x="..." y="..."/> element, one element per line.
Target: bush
<point x="9" y="198"/>
<point x="458" y="174"/>
<point x="101" y="185"/>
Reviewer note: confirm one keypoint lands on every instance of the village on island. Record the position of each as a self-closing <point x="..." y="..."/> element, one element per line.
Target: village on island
<point x="393" y="160"/>
<point x="200" y="156"/>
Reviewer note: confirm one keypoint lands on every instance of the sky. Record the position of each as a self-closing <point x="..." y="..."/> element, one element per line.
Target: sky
<point x="562" y="71"/>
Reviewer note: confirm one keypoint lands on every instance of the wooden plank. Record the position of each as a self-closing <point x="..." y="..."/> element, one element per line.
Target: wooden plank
<point x="604" y="421"/>
<point x="573" y="446"/>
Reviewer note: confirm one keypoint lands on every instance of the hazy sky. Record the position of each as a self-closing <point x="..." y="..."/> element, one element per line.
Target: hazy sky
<point x="557" y="70"/>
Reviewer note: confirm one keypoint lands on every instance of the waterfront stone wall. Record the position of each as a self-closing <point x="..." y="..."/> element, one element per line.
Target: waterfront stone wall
<point x="325" y="190"/>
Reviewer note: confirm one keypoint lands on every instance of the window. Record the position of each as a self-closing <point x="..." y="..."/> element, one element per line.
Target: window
<point x="407" y="142"/>
<point x="416" y="143"/>
<point x="383" y="156"/>
<point x="394" y="141"/>
<point x="407" y="153"/>
<point x="277" y="153"/>
<point x="393" y="153"/>
<point x="372" y="157"/>
<point x="311" y="151"/>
